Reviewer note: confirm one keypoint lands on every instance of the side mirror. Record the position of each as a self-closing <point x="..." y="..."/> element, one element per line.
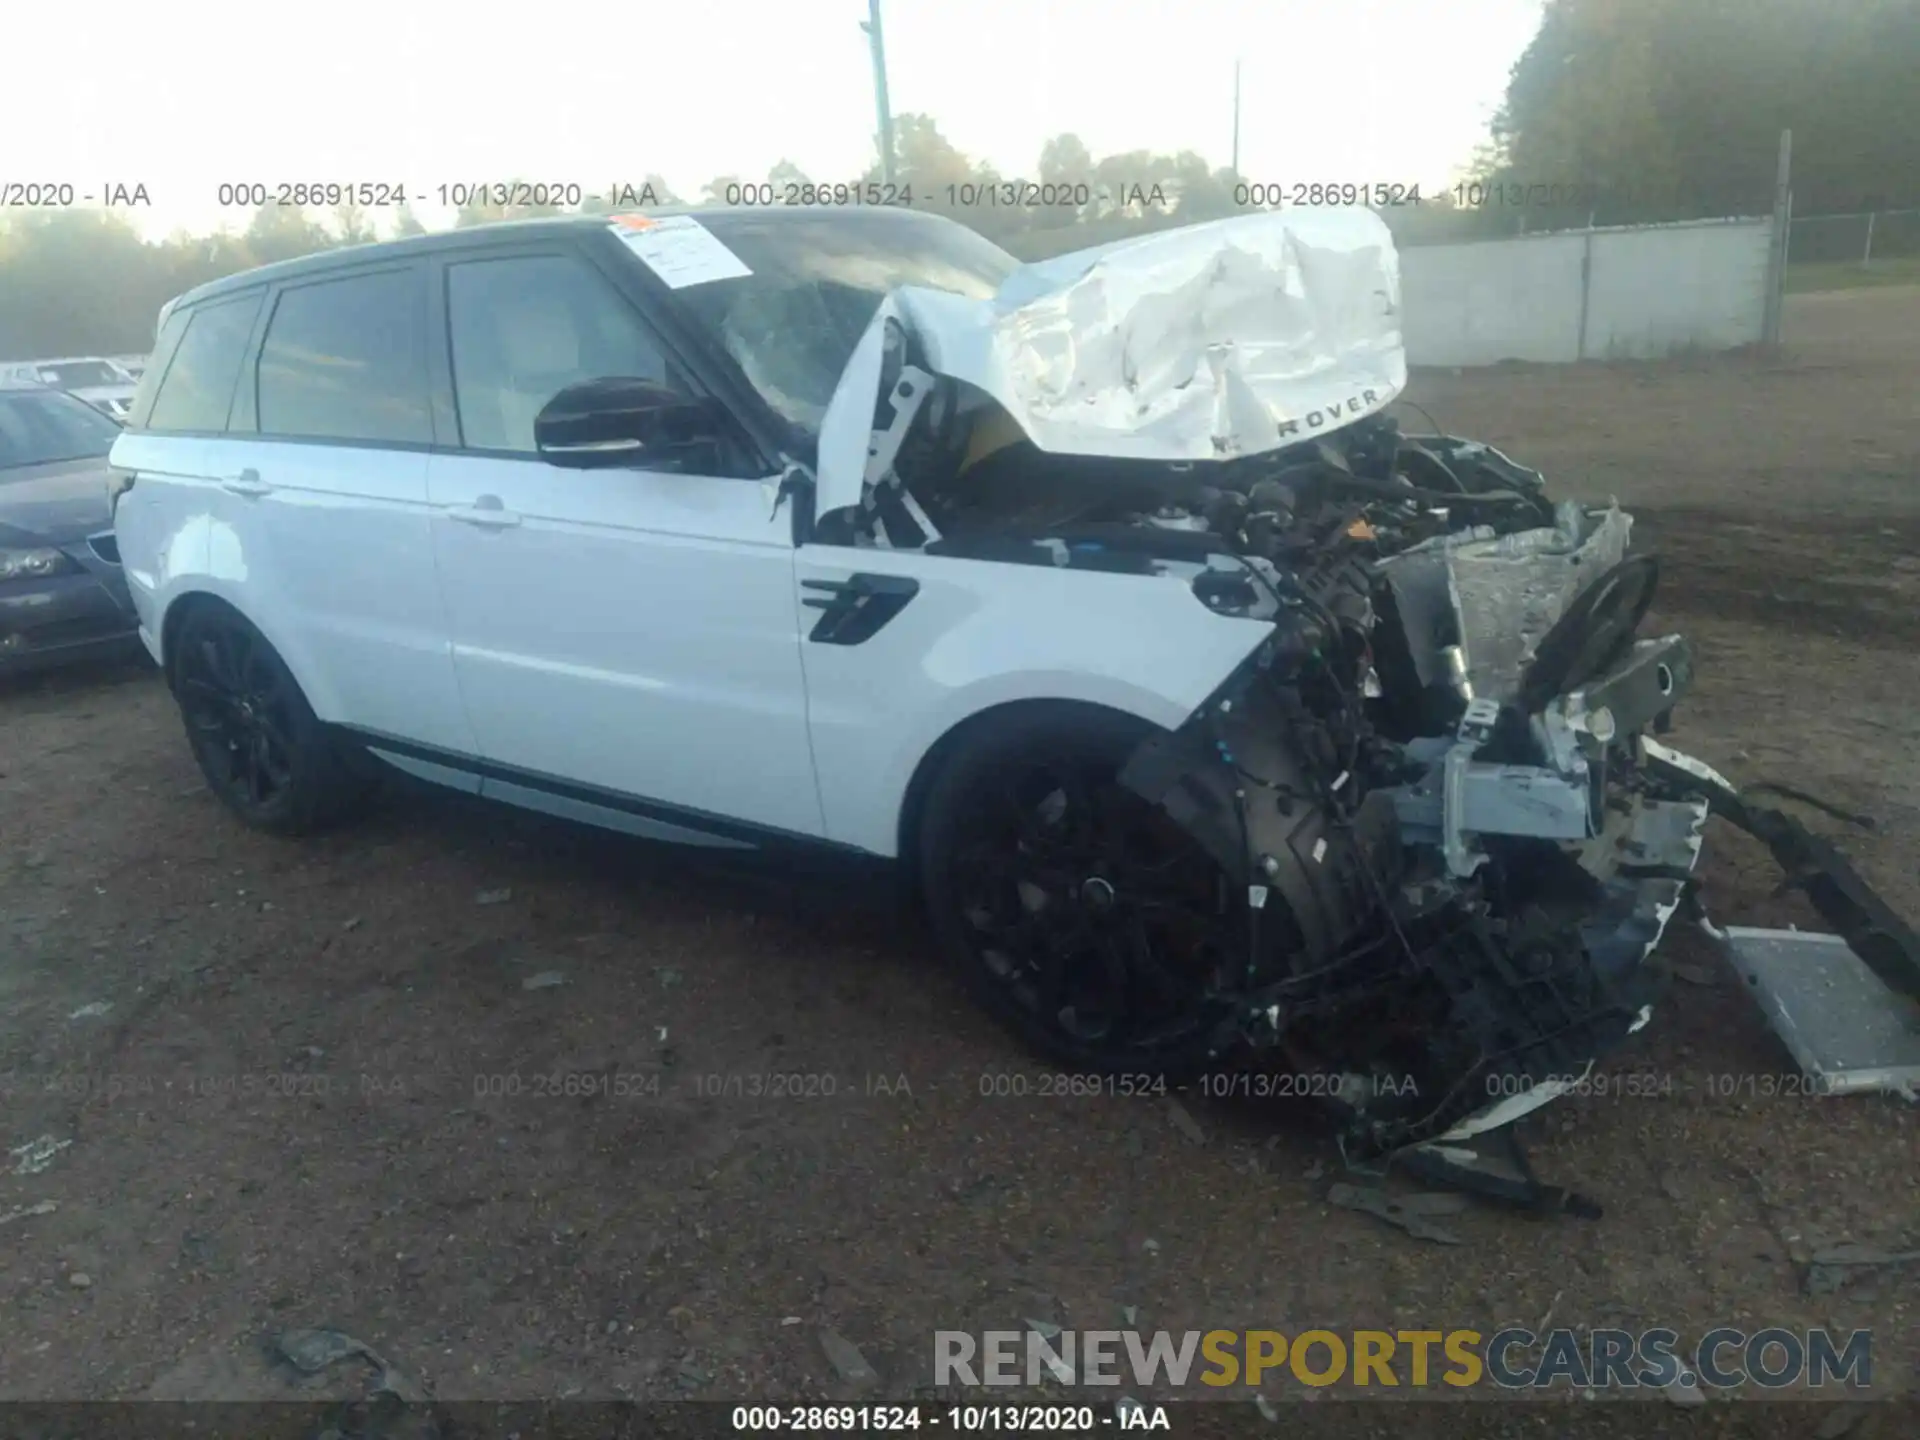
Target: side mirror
<point x="621" y="421"/>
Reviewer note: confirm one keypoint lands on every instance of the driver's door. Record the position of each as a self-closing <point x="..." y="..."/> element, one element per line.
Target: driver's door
<point x="624" y="640"/>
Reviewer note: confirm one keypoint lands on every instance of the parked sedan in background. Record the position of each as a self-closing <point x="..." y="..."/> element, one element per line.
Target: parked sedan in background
<point x="103" y="384"/>
<point x="62" y="596"/>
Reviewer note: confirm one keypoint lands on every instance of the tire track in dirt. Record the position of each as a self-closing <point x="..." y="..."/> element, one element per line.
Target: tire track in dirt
<point x="1853" y="577"/>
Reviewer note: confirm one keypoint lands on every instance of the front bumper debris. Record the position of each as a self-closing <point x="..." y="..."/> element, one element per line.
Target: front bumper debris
<point x="1844" y="1028"/>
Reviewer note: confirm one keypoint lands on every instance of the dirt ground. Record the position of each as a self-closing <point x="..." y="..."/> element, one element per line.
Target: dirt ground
<point x="308" y="1084"/>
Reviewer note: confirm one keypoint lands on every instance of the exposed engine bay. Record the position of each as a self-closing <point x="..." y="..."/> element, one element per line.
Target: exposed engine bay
<point x="1438" y="779"/>
<point x="1429" y="777"/>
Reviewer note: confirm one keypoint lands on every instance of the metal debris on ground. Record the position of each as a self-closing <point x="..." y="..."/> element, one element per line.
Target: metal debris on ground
<point x="846" y="1359"/>
<point x="40" y="1207"/>
<point x="90" y="1012"/>
<point x="1546" y="1320"/>
<point x="545" y="980"/>
<point x="1841" y="1419"/>
<point x="312" y="1351"/>
<point x="1268" y="1410"/>
<point x="36" y="1155"/>
<point x="1409" y="1212"/>
<point x="1183" y="1121"/>
<point x="493" y="897"/>
<point x="1684" y="1389"/>
<point x="80" y="1280"/>
<point x="1838" y="1266"/>
<point x="1845" y="1027"/>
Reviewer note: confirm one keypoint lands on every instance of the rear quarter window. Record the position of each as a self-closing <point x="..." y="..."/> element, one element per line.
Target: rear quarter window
<point x="196" y="389"/>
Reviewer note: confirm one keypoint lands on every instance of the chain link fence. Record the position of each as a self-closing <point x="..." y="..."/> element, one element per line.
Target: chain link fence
<point x="1858" y="239"/>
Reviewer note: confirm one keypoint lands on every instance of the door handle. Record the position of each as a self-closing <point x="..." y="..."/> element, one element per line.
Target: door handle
<point x="486" y="511"/>
<point x="247" y="483"/>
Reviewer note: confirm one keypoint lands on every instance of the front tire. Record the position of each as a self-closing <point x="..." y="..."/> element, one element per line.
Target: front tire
<point x="1076" y="913"/>
<point x="252" y="732"/>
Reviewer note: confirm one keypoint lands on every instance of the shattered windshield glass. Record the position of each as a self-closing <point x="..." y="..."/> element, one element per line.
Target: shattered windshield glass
<point x="793" y="323"/>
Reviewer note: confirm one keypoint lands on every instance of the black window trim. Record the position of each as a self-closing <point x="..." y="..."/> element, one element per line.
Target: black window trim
<point x="138" y="420"/>
<point x="650" y="298"/>
<point x="246" y="404"/>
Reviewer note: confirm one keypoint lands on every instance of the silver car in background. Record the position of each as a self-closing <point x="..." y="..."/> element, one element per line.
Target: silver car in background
<point x="104" y="384"/>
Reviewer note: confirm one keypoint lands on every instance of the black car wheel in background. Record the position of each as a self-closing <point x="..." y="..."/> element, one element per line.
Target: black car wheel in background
<point x="62" y="596"/>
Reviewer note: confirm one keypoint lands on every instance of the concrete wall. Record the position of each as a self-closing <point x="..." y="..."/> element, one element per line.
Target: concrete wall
<point x="1618" y="294"/>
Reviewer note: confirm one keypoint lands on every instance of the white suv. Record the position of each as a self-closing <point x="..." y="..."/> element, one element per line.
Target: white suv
<point x="1101" y="593"/>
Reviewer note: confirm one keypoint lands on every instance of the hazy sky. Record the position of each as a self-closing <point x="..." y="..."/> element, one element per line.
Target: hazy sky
<point x="181" y="95"/>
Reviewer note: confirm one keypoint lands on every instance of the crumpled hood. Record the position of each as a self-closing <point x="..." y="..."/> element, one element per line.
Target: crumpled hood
<point x="1204" y="342"/>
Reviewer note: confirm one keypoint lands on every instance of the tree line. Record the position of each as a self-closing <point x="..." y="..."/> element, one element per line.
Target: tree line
<point x="1618" y="112"/>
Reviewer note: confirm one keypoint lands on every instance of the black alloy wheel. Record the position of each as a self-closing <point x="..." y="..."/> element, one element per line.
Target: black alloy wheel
<point x="1079" y="914"/>
<point x="252" y="732"/>
<point x="236" y="713"/>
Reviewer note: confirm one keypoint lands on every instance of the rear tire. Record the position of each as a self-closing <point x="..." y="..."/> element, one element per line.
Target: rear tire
<point x="1077" y="914"/>
<point x="252" y="732"/>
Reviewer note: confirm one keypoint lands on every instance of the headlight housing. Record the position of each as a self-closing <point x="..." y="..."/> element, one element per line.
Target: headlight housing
<point x="33" y="564"/>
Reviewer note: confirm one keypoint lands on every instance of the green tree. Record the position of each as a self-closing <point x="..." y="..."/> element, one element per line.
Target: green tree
<point x="497" y="204"/>
<point x="786" y="173"/>
<point x="283" y="232"/>
<point x="1671" y="109"/>
<point x="353" y="224"/>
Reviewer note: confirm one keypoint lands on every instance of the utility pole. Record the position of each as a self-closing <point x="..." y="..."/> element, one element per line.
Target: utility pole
<point x="1236" y="119"/>
<point x="877" y="44"/>
<point x="1782" y="230"/>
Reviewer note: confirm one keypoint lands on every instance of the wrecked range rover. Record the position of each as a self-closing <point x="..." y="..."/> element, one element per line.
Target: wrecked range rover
<point x="1442" y="838"/>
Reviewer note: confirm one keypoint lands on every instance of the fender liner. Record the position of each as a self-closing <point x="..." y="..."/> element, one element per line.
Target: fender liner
<point x="1233" y="778"/>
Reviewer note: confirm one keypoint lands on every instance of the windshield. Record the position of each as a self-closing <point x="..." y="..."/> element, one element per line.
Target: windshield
<point x="792" y="324"/>
<point x="81" y="374"/>
<point x="38" y="427"/>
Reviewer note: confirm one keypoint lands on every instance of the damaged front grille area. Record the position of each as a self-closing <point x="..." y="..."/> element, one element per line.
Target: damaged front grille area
<point x="1454" y="844"/>
<point x="1432" y="789"/>
<point x="1429" y="783"/>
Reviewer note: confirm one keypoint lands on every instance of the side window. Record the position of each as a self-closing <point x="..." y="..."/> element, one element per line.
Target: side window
<point x="524" y="328"/>
<point x="198" y="386"/>
<point x="347" y="360"/>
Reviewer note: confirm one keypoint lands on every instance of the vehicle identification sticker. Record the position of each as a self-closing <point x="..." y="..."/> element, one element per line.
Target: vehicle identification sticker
<point x="679" y="249"/>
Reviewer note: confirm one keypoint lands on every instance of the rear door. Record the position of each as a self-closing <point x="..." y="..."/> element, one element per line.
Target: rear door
<point x="627" y="639"/>
<point x="321" y="502"/>
<point x="164" y="523"/>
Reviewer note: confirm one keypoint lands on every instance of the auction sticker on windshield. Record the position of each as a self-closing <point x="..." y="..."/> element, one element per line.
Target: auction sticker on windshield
<point x="679" y="249"/>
